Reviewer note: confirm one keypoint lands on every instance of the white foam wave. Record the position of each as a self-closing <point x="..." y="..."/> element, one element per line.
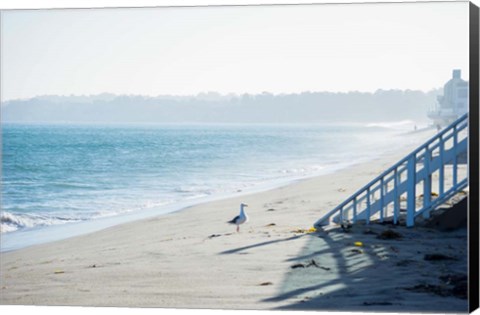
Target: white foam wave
<point x="119" y="210"/>
<point x="195" y="190"/>
<point x="14" y="221"/>
<point x="403" y="124"/>
<point x="303" y="170"/>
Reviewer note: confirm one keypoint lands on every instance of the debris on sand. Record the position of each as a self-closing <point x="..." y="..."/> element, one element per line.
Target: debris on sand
<point x="310" y="230"/>
<point x="297" y="266"/>
<point x="309" y="264"/>
<point x="265" y="283"/>
<point x="313" y="263"/>
<point x="389" y="235"/>
<point x="305" y="299"/>
<point x="214" y="235"/>
<point x="435" y="257"/>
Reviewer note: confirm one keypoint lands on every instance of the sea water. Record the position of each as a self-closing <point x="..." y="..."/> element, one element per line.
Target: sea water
<point x="56" y="177"/>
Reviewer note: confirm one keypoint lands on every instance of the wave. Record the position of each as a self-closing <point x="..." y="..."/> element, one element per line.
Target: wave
<point x="303" y="170"/>
<point x="72" y="186"/>
<point x="10" y="222"/>
<point x="403" y="124"/>
<point x="194" y="189"/>
<point x="14" y="221"/>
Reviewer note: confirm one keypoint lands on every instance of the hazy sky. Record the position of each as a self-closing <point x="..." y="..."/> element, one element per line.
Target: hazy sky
<point x="279" y="49"/>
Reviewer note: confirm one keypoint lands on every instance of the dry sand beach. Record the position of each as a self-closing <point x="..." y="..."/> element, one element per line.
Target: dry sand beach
<point x="193" y="259"/>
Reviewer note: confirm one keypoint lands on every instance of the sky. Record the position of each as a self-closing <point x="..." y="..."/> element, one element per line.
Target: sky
<point x="277" y="49"/>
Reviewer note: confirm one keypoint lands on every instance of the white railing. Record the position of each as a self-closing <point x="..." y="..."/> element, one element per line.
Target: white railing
<point x="398" y="188"/>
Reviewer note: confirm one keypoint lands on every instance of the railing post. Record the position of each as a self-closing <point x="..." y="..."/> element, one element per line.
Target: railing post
<point x="382" y="190"/>
<point x="455" y="152"/>
<point x="354" y="210"/>
<point x="427" y="183"/>
<point x="396" y="200"/>
<point x="411" y="191"/>
<point x="368" y="206"/>
<point x="441" y="183"/>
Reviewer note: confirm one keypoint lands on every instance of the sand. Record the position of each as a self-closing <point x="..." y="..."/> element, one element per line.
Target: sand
<point x="194" y="259"/>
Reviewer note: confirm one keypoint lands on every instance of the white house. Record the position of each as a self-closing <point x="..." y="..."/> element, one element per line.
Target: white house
<point x="453" y="103"/>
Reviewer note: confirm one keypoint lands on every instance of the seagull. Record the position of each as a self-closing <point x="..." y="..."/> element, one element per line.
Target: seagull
<point x="241" y="218"/>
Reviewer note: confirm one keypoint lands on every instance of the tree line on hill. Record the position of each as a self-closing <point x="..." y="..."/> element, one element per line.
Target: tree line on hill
<point x="306" y="107"/>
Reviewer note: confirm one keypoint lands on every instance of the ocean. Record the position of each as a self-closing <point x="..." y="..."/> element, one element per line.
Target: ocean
<point x="64" y="180"/>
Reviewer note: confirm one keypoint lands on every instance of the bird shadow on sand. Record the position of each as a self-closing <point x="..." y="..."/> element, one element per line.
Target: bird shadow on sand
<point x="244" y="248"/>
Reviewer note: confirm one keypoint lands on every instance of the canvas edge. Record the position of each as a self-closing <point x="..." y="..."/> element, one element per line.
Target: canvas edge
<point x="473" y="224"/>
<point x="474" y="207"/>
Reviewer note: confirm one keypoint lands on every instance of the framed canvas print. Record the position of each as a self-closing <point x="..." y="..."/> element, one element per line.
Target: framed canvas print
<point x="269" y="156"/>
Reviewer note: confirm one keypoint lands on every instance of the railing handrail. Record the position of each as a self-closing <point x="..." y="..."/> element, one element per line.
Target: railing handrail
<point x="439" y="135"/>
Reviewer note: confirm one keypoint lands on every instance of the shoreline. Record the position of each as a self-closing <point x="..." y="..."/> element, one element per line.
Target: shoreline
<point x="194" y="259"/>
<point x="28" y="237"/>
<point x="40" y="232"/>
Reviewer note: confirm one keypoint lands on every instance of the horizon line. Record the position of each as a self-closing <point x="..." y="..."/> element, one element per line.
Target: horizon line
<point x="221" y="94"/>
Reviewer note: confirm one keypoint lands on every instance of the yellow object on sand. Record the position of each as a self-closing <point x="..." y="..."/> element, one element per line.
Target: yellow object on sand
<point x="310" y="230"/>
<point x="58" y="271"/>
<point x="359" y="244"/>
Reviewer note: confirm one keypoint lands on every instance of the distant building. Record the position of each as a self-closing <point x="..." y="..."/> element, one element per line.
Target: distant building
<point x="453" y="103"/>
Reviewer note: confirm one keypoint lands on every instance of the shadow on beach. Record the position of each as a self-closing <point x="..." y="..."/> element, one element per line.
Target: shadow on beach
<point x="245" y="248"/>
<point x="379" y="267"/>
